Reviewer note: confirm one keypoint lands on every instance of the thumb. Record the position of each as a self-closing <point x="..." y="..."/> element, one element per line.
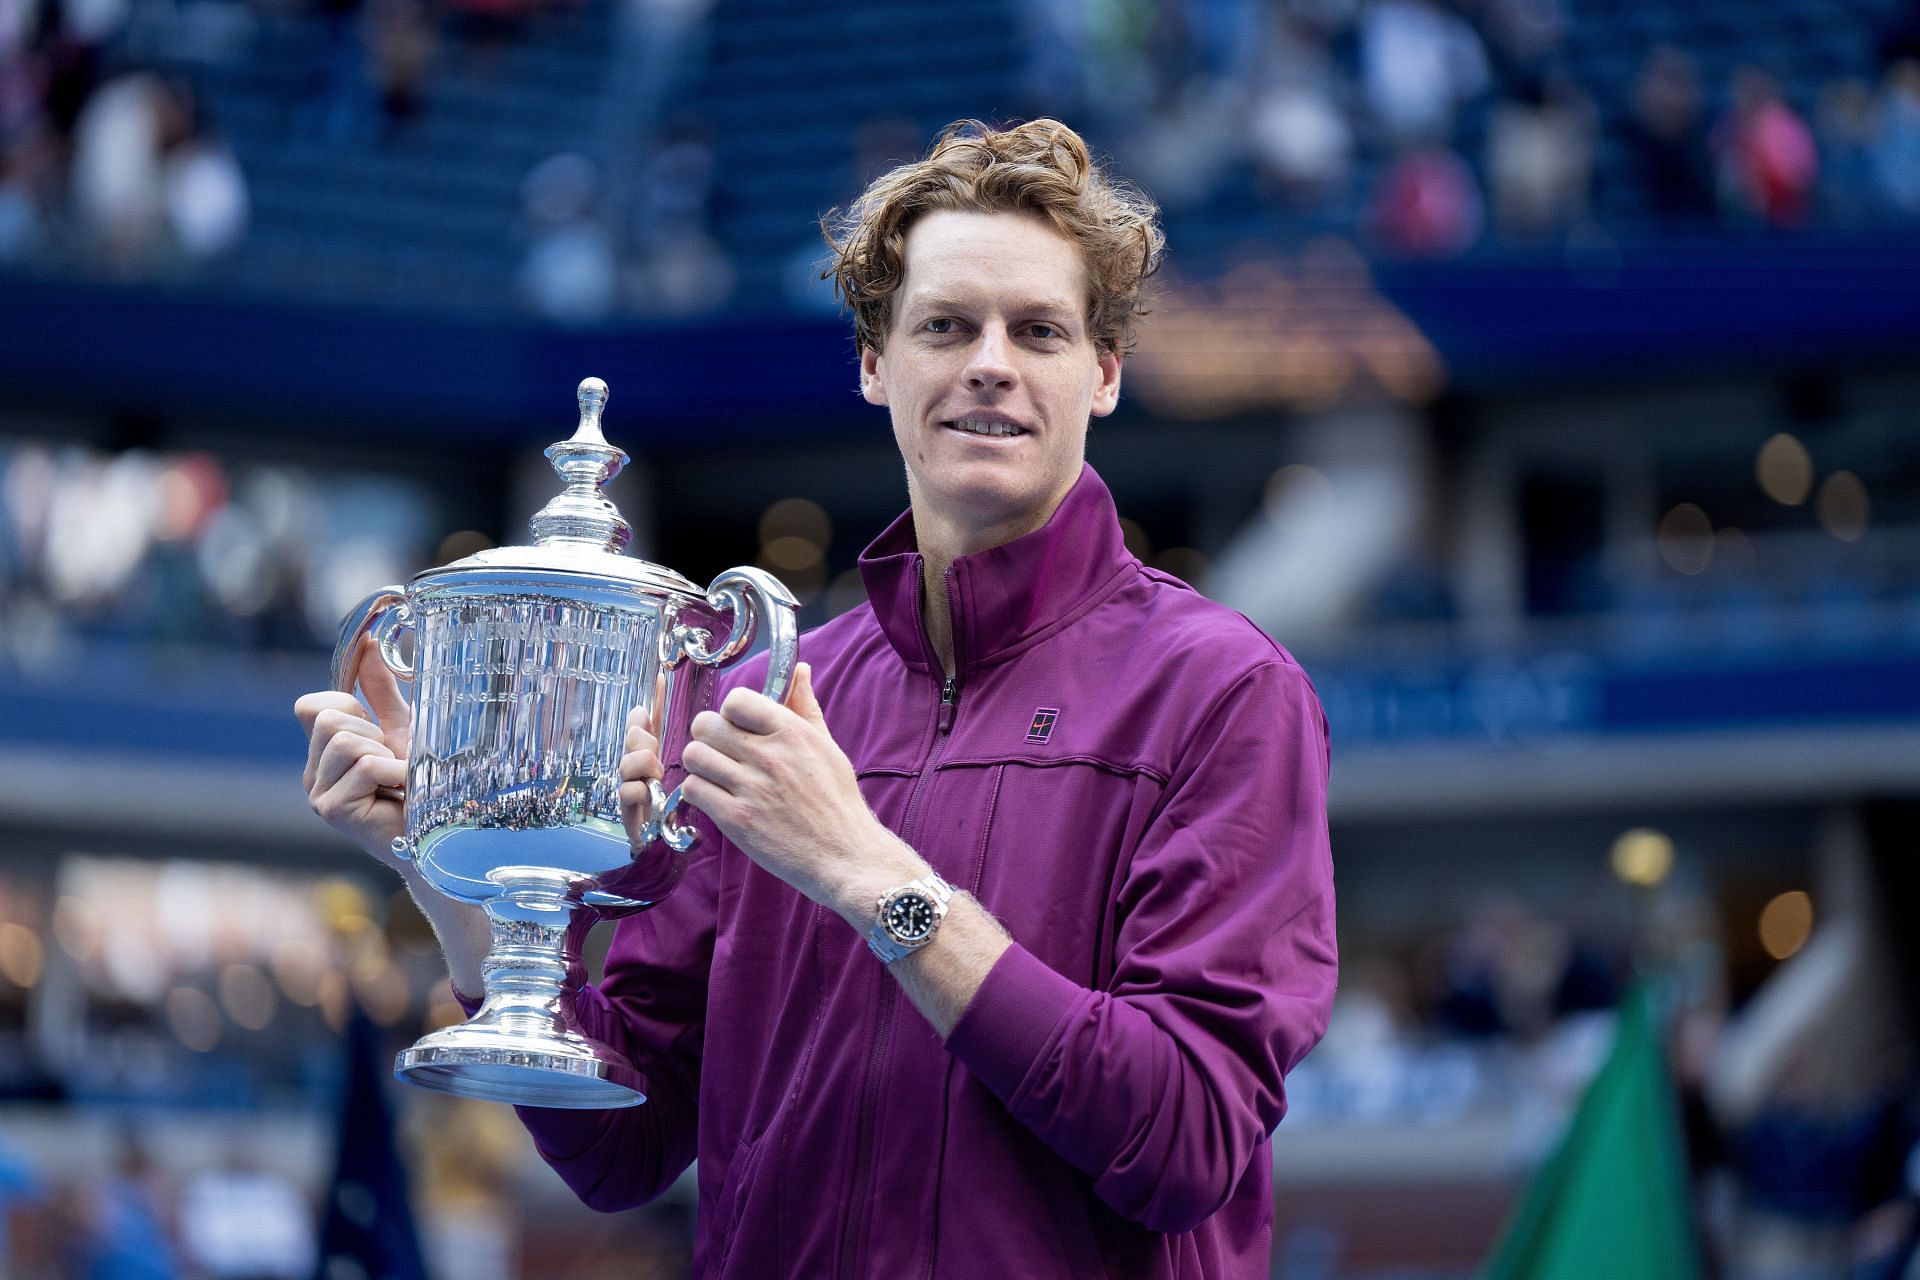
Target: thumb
<point x="382" y="689"/>
<point x="800" y="697"/>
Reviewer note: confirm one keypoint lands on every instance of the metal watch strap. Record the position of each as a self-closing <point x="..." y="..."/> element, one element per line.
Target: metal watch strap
<point x="882" y="943"/>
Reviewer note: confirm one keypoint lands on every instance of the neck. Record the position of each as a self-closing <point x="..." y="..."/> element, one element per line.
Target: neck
<point x="942" y="541"/>
<point x="940" y="545"/>
<point x="933" y="608"/>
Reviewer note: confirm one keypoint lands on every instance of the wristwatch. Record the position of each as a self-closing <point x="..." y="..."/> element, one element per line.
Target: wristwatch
<point x="908" y="916"/>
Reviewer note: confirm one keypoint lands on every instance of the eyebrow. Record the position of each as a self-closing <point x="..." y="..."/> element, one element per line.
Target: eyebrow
<point x="1024" y="306"/>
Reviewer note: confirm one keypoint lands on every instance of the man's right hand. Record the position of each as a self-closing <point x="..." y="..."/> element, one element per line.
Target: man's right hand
<point x="356" y="765"/>
<point x="640" y="764"/>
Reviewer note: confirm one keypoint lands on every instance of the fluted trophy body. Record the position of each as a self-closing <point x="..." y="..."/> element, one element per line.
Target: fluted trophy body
<point x="525" y="664"/>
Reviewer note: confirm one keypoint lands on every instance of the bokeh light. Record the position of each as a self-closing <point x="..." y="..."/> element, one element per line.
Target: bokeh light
<point x="1786" y="923"/>
<point x="1784" y="469"/>
<point x="1843" y="506"/>
<point x="193" y="1018"/>
<point x="1685" y="539"/>
<point x="1642" y="856"/>
<point x="246" y="996"/>
<point x="797" y="518"/>
<point x="22" y="957"/>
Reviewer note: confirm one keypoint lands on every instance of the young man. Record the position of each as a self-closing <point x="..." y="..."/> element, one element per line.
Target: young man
<point x="1012" y="920"/>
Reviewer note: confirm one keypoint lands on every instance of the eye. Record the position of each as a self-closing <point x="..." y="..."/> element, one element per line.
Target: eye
<point x="940" y="324"/>
<point x="1042" y="329"/>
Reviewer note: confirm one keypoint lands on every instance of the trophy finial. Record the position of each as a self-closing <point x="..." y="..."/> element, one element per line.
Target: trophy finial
<point x="582" y="513"/>
<point x="593" y="401"/>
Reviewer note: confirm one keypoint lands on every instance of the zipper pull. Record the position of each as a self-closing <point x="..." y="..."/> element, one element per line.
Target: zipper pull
<point x="949" y="695"/>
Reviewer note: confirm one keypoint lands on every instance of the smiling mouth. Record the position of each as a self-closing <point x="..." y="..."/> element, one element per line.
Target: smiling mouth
<point x="983" y="427"/>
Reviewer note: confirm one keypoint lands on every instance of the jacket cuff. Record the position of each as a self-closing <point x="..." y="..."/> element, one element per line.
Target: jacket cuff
<point x="1011" y="1020"/>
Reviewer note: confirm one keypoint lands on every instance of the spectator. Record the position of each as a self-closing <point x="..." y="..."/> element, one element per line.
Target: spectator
<point x="1540" y="158"/>
<point x="118" y="181"/>
<point x="1301" y="138"/>
<point x="151" y="185"/>
<point x="1419" y="63"/>
<point x="1844" y="128"/>
<point x="680" y="273"/>
<point x="1524" y="36"/>
<point x="569" y="272"/>
<point x="1302" y="144"/>
<point x="206" y="194"/>
<point x="1896" y="141"/>
<point x="1667" y="138"/>
<point x="1765" y="154"/>
<point x="402" y="44"/>
<point x="1426" y="205"/>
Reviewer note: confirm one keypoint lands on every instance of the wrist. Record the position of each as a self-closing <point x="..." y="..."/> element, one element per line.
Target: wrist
<point x="890" y="864"/>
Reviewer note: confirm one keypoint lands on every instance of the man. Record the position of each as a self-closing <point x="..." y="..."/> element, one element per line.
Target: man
<point x="1010" y="923"/>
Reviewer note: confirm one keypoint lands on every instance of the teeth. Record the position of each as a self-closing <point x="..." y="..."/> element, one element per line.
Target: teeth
<point x="986" y="428"/>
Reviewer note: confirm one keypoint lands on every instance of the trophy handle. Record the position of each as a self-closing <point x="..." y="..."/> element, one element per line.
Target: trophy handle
<point x="661" y="824"/>
<point x="751" y="598"/>
<point x="384" y="613"/>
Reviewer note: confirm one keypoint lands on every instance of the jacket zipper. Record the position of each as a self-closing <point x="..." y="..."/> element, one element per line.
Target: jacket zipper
<point x="856" y="1225"/>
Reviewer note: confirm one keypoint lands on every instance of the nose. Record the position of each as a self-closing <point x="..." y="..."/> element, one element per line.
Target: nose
<point x="990" y="365"/>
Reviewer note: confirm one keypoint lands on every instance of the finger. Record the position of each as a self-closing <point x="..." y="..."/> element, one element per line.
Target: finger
<point x="800" y="699"/>
<point x="723" y="735"/>
<point x="342" y="753"/>
<point x="368" y="786"/>
<point x="329" y="724"/>
<point x="754" y="712"/>
<point x="639" y="737"/>
<point x="641" y="765"/>
<point x="705" y="796"/>
<point x="382" y="687"/>
<point x="659" y="704"/>
<point x="705" y="762"/>
<point x="308" y="706"/>
<point x="636" y="807"/>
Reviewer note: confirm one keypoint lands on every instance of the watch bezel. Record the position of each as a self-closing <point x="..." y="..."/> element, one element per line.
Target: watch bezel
<point x="891" y="901"/>
<point x="890" y="945"/>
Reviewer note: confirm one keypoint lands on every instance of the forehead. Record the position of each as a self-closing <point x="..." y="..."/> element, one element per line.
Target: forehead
<point x="992" y="257"/>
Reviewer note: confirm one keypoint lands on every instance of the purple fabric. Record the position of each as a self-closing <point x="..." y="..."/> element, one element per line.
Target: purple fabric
<point x="1160" y="857"/>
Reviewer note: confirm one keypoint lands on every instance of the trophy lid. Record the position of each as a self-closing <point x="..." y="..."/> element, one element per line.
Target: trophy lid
<point x="580" y="533"/>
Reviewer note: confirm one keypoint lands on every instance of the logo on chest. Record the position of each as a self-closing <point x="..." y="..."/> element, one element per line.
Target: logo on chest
<point x="1044" y="718"/>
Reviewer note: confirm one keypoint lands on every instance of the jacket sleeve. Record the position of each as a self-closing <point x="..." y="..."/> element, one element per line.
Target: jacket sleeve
<point x="650" y="1006"/>
<point x="1164" y="1085"/>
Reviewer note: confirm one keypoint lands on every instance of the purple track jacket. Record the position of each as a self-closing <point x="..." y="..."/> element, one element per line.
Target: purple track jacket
<point x="1133" y="780"/>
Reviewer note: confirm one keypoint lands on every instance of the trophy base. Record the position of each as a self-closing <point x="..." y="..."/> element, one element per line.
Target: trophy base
<point x="567" y="1071"/>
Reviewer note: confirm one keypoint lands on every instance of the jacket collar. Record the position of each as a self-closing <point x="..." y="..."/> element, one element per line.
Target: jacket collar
<point x="1007" y="596"/>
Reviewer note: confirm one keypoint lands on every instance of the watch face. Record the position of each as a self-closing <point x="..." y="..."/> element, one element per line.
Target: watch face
<point x="910" y="917"/>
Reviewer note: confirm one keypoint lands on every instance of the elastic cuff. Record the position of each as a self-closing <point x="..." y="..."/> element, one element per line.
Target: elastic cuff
<point x="1011" y="1020"/>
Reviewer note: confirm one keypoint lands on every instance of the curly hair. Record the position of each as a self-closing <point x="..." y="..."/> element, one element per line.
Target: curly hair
<point x="1041" y="168"/>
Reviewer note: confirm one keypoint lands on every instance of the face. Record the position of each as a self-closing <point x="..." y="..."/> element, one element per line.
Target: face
<point x="990" y="375"/>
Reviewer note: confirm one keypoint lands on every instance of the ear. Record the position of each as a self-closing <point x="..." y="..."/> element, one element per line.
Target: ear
<point x="872" y="389"/>
<point x="1106" y="396"/>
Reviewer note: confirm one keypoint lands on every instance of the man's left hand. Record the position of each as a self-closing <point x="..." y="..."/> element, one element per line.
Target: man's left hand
<point x="777" y="785"/>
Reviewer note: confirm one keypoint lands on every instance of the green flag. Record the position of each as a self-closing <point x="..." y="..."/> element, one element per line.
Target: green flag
<point x="1613" y="1200"/>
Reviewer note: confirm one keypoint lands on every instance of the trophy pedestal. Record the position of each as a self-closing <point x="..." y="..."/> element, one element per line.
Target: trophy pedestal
<point x="520" y="1046"/>
<point x="559" y="1069"/>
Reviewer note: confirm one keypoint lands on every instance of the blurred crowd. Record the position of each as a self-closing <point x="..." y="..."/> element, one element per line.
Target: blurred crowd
<point x="106" y="168"/>
<point x="185" y="549"/>
<point x="1436" y="125"/>
<point x="1428" y="127"/>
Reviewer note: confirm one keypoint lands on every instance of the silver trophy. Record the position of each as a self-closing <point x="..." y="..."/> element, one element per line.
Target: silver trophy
<point x="525" y="662"/>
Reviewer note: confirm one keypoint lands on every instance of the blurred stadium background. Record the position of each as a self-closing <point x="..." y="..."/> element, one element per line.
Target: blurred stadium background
<point x="1540" y="371"/>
